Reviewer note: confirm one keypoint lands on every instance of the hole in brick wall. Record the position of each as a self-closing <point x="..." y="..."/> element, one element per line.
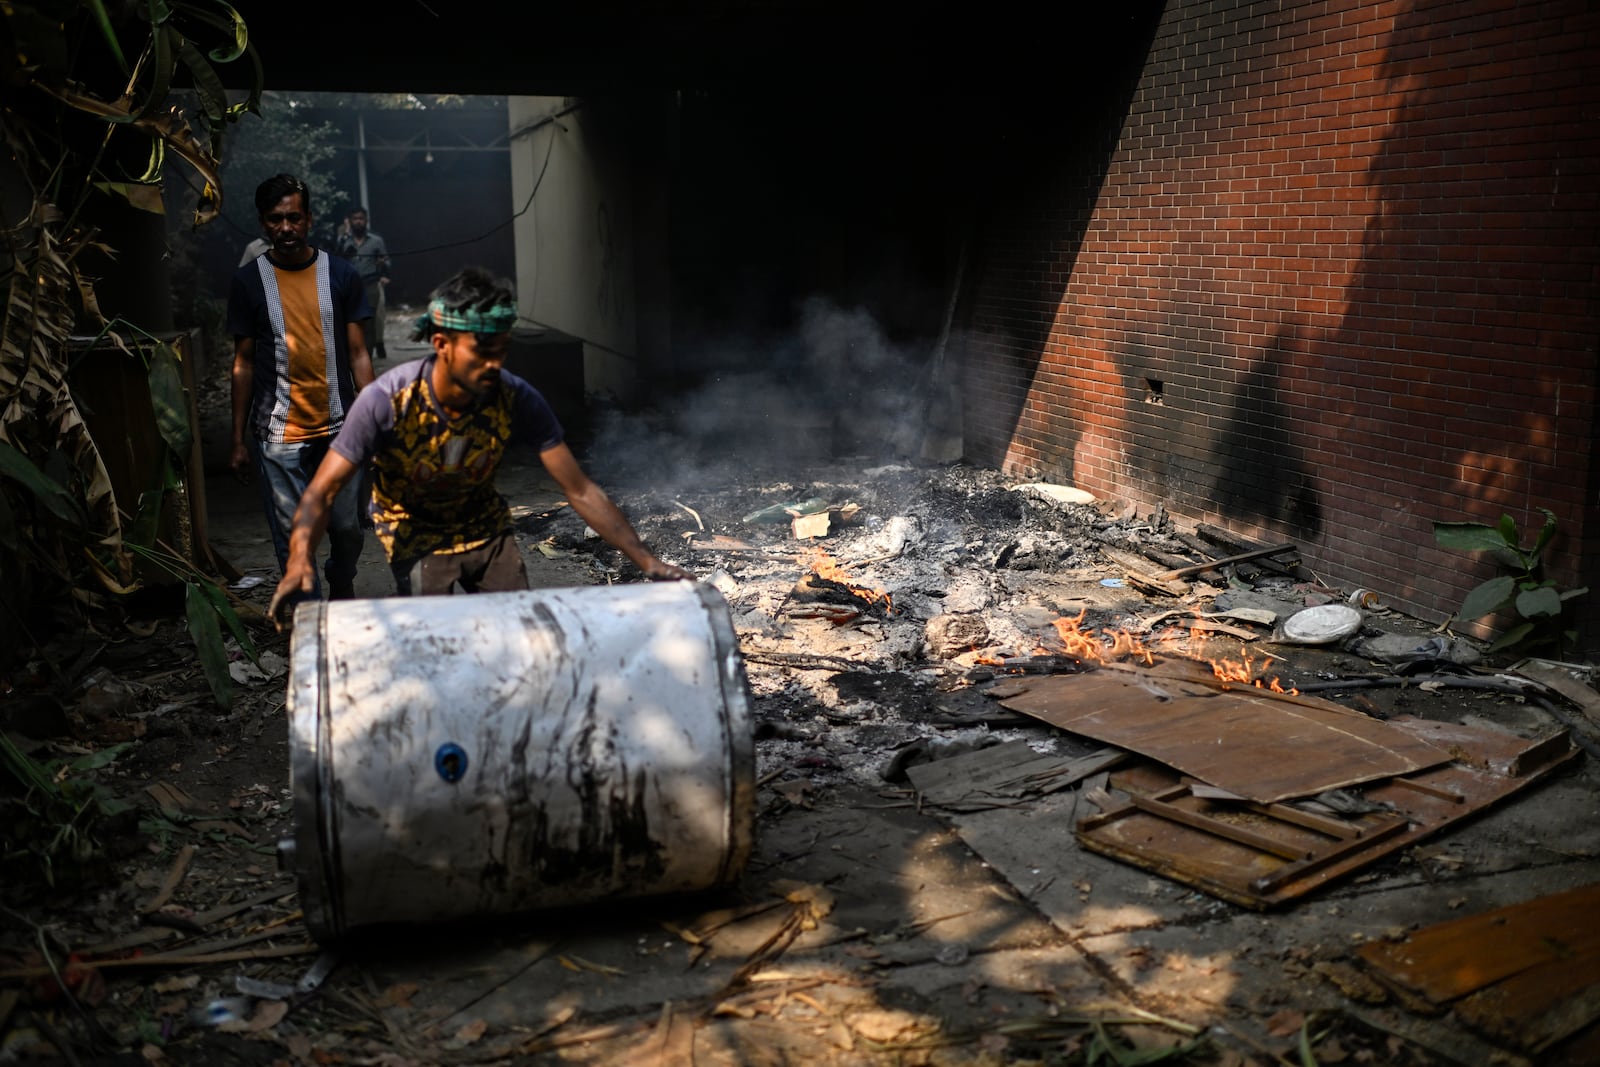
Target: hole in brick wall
<point x="1152" y="390"/>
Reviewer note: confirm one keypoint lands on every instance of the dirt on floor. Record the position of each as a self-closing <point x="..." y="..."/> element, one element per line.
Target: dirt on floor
<point x="871" y="925"/>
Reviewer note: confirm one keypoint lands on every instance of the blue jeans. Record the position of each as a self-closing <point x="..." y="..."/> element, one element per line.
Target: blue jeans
<point x="284" y="472"/>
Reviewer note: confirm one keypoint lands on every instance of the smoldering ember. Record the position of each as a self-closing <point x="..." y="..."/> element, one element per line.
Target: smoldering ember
<point x="1036" y="778"/>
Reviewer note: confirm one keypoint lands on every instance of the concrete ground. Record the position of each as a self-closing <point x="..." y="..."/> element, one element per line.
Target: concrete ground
<point x="870" y="930"/>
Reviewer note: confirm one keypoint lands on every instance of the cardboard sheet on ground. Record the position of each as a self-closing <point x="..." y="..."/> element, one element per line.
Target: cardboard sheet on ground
<point x="1528" y="974"/>
<point x="1003" y="775"/>
<point x="1260" y="745"/>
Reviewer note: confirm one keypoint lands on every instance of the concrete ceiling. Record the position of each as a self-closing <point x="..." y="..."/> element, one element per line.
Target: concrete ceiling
<point x="433" y="46"/>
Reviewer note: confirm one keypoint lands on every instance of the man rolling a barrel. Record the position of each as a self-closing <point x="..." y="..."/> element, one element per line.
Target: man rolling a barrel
<point x="435" y="431"/>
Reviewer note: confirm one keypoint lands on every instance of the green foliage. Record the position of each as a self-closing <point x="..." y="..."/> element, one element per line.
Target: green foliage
<point x="51" y="813"/>
<point x="88" y="104"/>
<point x="1537" y="600"/>
<point x="280" y="139"/>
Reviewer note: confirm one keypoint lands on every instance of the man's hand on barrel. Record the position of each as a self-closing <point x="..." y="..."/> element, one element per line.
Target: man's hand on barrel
<point x="659" y="570"/>
<point x="297" y="583"/>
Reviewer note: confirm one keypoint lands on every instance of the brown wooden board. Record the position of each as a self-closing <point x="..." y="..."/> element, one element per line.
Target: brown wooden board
<point x="1451" y="959"/>
<point x="1244" y="740"/>
<point x="1263" y="855"/>
<point x="1528" y="974"/>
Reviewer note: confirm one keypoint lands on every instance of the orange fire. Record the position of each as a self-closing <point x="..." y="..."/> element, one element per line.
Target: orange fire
<point x="1243" y="671"/>
<point x="1105" y="647"/>
<point x="1097" y="647"/>
<point x="825" y="566"/>
<point x="1246" y="671"/>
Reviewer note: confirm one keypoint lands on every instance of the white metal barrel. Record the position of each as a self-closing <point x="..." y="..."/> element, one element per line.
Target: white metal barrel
<point x="454" y="756"/>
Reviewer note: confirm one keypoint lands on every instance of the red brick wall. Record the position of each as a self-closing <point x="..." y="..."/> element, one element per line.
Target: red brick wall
<point x="1334" y="276"/>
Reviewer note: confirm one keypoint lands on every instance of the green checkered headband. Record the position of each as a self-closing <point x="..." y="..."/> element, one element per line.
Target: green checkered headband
<point x="497" y="319"/>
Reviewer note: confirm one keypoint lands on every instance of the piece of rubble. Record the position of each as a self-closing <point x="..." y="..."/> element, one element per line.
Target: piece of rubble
<point x="724" y="583"/>
<point x="950" y="635"/>
<point x="804" y="527"/>
<point x="928" y="749"/>
<point x="1051" y="493"/>
<point x="1395" y="648"/>
<point x="1322" y="624"/>
<point x="1250" y="600"/>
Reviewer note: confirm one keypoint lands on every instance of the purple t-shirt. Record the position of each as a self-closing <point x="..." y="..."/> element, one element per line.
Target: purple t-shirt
<point x="433" y="472"/>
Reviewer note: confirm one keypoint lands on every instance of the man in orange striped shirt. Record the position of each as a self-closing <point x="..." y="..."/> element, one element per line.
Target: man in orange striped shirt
<point x="299" y="357"/>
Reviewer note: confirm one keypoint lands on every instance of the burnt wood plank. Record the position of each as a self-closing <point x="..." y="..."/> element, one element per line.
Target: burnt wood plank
<point x="1455" y="958"/>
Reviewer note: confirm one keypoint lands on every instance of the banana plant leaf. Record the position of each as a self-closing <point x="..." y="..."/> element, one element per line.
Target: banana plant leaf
<point x="49" y="492"/>
<point x="207" y="636"/>
<point x="167" y="397"/>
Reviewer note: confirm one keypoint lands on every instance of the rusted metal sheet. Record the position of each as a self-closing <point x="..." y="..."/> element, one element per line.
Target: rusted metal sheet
<point x="1244" y="740"/>
<point x="479" y="755"/>
<point x="1263" y="855"/>
<point x="1528" y="974"/>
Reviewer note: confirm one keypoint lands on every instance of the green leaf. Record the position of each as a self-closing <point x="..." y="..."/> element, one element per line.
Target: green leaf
<point x="208" y="641"/>
<point x="1545" y="534"/>
<point x="167" y="397"/>
<point x="1490" y="596"/>
<point x="230" y="22"/>
<point x="225" y="612"/>
<point x="1511" y="637"/>
<point x="103" y="21"/>
<point x="1508" y="532"/>
<point x="51" y="493"/>
<point x="1541" y="603"/>
<point x="95" y="760"/>
<point x="146" y="520"/>
<point x="1572" y="594"/>
<point x="213" y="97"/>
<point x="162" y="66"/>
<point x="1467" y="536"/>
<point x="1303" y="1046"/>
<point x="155" y="164"/>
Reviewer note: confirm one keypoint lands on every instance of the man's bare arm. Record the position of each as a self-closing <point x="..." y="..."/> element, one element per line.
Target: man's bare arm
<point x="360" y="358"/>
<point x="603" y="516"/>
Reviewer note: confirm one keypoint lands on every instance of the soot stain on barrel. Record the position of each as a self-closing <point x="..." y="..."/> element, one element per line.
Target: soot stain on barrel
<point x="609" y="847"/>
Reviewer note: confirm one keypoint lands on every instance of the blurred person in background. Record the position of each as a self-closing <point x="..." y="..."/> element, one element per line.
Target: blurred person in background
<point x="370" y="255"/>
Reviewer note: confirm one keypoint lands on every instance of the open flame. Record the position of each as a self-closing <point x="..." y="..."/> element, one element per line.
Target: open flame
<point x="1097" y="646"/>
<point x="826" y="567"/>
<point x="1246" y="670"/>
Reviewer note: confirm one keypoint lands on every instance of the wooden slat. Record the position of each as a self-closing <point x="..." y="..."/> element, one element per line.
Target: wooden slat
<point x="1540" y="1006"/>
<point x="1451" y="959"/>
<point x="1527" y="975"/>
<point x="1217" y="828"/>
<point x="1331" y="855"/>
<point x="1242" y="557"/>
